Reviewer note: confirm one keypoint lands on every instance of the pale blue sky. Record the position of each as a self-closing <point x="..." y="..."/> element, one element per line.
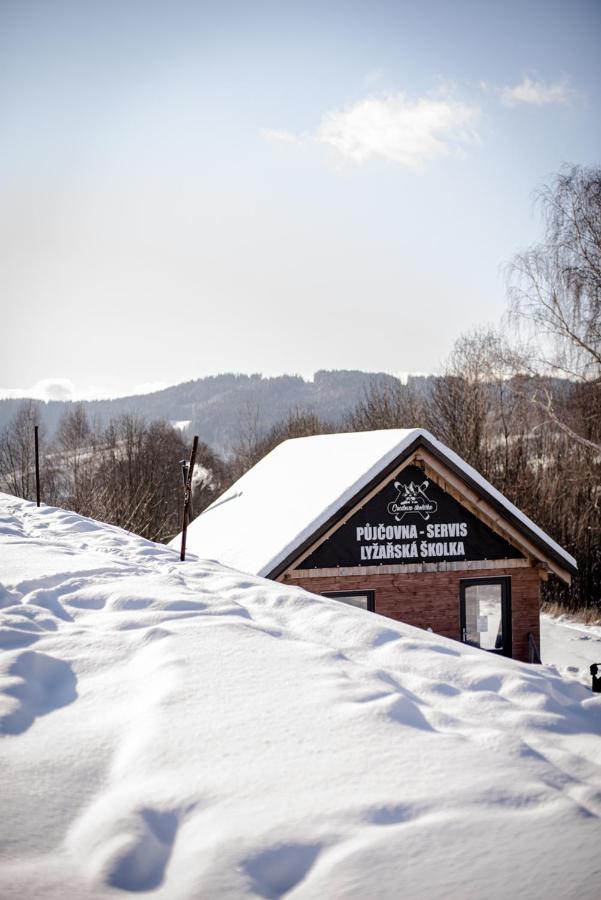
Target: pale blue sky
<point x="191" y="188"/>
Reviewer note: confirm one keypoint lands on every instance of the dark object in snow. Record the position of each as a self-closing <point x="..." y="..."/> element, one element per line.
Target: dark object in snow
<point x="596" y="678"/>
<point x="187" y="475"/>
<point x="37" y="464"/>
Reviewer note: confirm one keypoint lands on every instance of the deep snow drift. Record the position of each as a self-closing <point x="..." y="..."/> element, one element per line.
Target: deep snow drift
<point x="190" y="731"/>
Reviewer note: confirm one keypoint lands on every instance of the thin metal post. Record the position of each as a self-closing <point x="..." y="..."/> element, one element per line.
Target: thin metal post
<point x="187" y="496"/>
<point x="37" y="464"/>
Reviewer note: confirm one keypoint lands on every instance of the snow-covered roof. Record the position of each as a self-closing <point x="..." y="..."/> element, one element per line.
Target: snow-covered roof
<point x="296" y="489"/>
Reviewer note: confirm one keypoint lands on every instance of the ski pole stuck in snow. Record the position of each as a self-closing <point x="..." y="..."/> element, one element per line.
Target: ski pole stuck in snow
<point x="187" y="474"/>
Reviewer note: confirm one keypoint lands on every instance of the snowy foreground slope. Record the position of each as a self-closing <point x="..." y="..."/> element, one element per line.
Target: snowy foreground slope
<point x="185" y="730"/>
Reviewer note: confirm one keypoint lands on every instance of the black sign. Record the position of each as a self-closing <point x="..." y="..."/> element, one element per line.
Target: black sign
<point x="410" y="520"/>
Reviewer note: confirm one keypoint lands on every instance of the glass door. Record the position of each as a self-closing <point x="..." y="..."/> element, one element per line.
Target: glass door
<point x="485" y="614"/>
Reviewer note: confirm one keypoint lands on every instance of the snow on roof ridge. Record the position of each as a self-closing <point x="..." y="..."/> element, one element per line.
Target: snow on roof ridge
<point x="291" y="493"/>
<point x="414" y="433"/>
<point x="230" y="493"/>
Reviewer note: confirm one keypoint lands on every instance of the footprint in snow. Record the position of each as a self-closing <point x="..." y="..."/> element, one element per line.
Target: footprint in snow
<point x="31" y="685"/>
<point x="392" y="815"/>
<point x="277" y="871"/>
<point x="8" y="597"/>
<point x="127" y="846"/>
<point x="11" y="637"/>
<point x="405" y="712"/>
<point x="140" y="864"/>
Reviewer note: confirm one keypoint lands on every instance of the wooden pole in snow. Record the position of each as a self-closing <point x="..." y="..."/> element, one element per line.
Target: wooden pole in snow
<point x="187" y="496"/>
<point x="37" y="464"/>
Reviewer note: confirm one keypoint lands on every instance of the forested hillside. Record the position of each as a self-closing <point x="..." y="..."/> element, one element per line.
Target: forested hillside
<point x="224" y="409"/>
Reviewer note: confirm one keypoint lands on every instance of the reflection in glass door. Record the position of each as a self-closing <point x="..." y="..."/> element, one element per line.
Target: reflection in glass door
<point x="486" y="614"/>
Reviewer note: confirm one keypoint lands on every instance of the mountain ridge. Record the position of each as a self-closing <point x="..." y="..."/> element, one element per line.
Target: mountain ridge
<point x="223" y="408"/>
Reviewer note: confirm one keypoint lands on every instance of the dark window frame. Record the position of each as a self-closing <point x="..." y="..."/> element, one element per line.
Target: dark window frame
<point x="371" y="597"/>
<point x="506" y="614"/>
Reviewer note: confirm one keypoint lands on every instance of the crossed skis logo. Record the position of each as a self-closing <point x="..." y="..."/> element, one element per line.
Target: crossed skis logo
<point x="412" y="498"/>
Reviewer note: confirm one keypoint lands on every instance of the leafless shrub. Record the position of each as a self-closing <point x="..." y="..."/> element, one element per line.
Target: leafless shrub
<point x="254" y="444"/>
<point x="17" y="454"/>
<point x="387" y="404"/>
<point x="127" y="473"/>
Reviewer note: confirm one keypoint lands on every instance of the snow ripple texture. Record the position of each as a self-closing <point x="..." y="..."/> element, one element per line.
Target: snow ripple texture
<point x="187" y="731"/>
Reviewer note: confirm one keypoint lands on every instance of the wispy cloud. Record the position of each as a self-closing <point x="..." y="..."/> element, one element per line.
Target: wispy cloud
<point x="536" y="93"/>
<point x="394" y="128"/>
<point x="284" y="137"/>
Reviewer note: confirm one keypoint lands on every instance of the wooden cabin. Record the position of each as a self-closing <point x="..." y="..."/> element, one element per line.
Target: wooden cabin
<point x="396" y="523"/>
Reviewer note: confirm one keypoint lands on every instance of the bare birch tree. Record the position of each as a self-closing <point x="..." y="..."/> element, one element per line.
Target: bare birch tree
<point x="555" y="291"/>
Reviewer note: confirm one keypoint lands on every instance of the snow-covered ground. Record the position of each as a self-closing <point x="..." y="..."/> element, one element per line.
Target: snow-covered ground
<point x="185" y="730"/>
<point x="570" y="646"/>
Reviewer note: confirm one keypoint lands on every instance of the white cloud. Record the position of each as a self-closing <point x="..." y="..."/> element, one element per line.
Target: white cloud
<point x="47" y="389"/>
<point x="394" y="128"/>
<point x="283" y="137"/>
<point x="397" y="129"/>
<point x="64" y="389"/>
<point x="536" y="93"/>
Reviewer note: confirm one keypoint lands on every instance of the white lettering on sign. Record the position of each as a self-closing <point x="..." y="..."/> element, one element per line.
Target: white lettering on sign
<point x="441" y="548"/>
<point x="381" y="542"/>
<point x="447" y="529"/>
<point x="386" y="532"/>
<point x="389" y="551"/>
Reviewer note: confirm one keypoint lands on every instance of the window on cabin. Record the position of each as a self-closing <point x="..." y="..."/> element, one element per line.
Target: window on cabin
<point x="361" y="599"/>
